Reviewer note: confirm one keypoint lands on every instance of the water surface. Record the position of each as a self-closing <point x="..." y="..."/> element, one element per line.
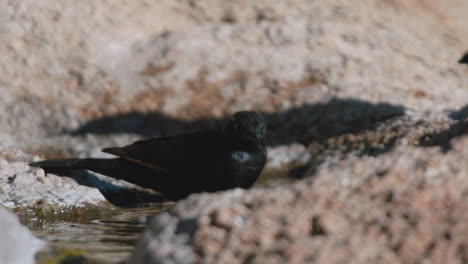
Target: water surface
<point x="103" y="235"/>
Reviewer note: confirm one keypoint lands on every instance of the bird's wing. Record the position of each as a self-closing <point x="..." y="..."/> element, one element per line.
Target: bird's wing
<point x="164" y="154"/>
<point x="140" y="152"/>
<point x="122" y="153"/>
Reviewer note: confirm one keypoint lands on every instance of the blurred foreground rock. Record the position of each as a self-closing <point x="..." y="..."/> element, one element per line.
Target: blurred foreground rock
<point x="17" y="244"/>
<point x="407" y="205"/>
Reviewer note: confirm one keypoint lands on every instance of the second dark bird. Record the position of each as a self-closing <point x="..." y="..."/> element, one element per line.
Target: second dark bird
<point x="207" y="161"/>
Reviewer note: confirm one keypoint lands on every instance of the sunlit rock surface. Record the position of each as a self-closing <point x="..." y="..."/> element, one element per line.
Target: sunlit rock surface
<point x="25" y="186"/>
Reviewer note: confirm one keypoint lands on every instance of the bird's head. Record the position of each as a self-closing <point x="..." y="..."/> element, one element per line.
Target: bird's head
<point x="249" y="125"/>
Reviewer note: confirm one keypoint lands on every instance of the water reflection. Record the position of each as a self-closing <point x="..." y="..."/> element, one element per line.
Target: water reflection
<point x="107" y="238"/>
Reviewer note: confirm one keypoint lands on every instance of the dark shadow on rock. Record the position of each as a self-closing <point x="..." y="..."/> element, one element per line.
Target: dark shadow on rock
<point x="148" y="125"/>
<point x="320" y="122"/>
<point x="302" y="171"/>
<point x="464" y="59"/>
<point x="118" y="195"/>
<point x="442" y="139"/>
<point x="313" y="122"/>
<point x="460" y="114"/>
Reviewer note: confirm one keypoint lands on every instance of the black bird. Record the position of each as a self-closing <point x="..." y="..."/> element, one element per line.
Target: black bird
<point x="464" y="59"/>
<point x="206" y="161"/>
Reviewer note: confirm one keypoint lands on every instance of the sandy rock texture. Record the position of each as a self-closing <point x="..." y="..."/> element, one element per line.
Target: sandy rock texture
<point x="404" y="206"/>
<point x="18" y="245"/>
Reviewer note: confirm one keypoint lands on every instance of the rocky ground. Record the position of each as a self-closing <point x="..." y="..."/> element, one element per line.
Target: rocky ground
<point x="365" y="105"/>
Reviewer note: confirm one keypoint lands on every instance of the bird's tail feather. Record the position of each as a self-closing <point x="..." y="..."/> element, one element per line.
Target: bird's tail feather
<point x="116" y="168"/>
<point x="57" y="163"/>
<point x="64" y="166"/>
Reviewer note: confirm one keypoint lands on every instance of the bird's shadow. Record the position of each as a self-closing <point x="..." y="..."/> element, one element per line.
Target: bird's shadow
<point x="443" y="138"/>
<point x="303" y="124"/>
